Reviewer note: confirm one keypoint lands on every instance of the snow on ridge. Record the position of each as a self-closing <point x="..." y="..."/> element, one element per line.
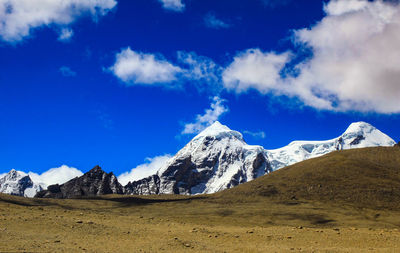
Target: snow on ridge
<point x="357" y="135"/>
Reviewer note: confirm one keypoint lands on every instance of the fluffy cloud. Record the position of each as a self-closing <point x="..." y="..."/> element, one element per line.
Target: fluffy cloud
<point x="356" y="61"/>
<point x="19" y="17"/>
<point x="138" y="68"/>
<point x="173" y="5"/>
<point x="147" y="169"/>
<point x="211" y="21"/>
<point x="255" y="69"/>
<point x="354" y="66"/>
<point x="209" y="117"/>
<point x="133" y="67"/>
<point x="55" y="175"/>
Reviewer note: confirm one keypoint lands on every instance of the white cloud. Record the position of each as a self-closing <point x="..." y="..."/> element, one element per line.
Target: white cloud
<point x="211" y="21"/>
<point x="58" y="175"/>
<point x="173" y="5"/>
<point x="256" y="135"/>
<point x="354" y="66"/>
<point x="67" y="71"/>
<point x="356" y="58"/>
<point x="147" y="169"/>
<point x="66" y="34"/>
<point x="139" y="68"/>
<point x="209" y="117"/>
<point x="19" y="17"/>
<point x="253" y="69"/>
<point x="342" y="7"/>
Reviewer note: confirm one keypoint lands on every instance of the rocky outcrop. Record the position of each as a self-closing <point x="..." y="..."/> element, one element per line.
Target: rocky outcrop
<point x="216" y="159"/>
<point x="93" y="183"/>
<point x="146" y="186"/>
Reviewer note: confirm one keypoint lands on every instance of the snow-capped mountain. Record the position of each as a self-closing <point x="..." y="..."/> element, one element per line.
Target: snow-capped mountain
<point x="18" y="183"/>
<point x="357" y="135"/>
<point x="216" y="159"/>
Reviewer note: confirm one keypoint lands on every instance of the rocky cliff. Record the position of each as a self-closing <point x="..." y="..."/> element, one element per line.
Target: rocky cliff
<point x="93" y="183"/>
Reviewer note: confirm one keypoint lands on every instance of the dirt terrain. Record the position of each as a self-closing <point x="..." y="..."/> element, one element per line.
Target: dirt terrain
<point x="276" y="213"/>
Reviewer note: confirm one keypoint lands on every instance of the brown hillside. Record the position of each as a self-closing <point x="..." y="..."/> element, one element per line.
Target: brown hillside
<point x="368" y="177"/>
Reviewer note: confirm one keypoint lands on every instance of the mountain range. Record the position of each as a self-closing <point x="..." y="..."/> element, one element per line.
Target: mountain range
<point x="216" y="159"/>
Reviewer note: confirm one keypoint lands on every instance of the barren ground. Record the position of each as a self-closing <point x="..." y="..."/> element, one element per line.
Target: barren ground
<point x="179" y="224"/>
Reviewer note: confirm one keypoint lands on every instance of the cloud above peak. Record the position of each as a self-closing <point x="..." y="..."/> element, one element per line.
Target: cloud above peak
<point x="19" y="17"/>
<point x="354" y="65"/>
<point x="139" y="68"/>
<point x="210" y="115"/>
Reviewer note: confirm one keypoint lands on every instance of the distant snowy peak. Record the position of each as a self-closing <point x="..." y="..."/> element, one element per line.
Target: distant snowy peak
<point x="357" y="135"/>
<point x="362" y="135"/>
<point x="18" y="183"/>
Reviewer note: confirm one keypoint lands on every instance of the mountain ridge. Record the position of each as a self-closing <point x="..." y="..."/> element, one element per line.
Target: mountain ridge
<point x="357" y="135"/>
<point x="218" y="158"/>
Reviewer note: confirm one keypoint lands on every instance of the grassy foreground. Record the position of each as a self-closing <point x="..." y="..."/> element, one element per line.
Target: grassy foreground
<point x="277" y="213"/>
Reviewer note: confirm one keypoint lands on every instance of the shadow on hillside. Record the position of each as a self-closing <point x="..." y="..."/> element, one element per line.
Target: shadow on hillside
<point x="121" y="201"/>
<point x="131" y="201"/>
<point x="314" y="219"/>
<point x="21" y="201"/>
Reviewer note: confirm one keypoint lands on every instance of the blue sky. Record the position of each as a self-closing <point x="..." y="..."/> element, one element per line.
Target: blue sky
<point x="112" y="82"/>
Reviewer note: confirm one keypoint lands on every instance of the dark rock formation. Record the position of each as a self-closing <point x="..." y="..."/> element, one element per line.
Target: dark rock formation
<point x="146" y="186"/>
<point x="93" y="183"/>
<point x="357" y="140"/>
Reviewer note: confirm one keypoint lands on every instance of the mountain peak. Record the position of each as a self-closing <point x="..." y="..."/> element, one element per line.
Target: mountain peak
<point x="96" y="168"/>
<point x="360" y="126"/>
<point x="218" y="130"/>
<point x="215" y="128"/>
<point x="13" y="173"/>
<point x="18" y="183"/>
